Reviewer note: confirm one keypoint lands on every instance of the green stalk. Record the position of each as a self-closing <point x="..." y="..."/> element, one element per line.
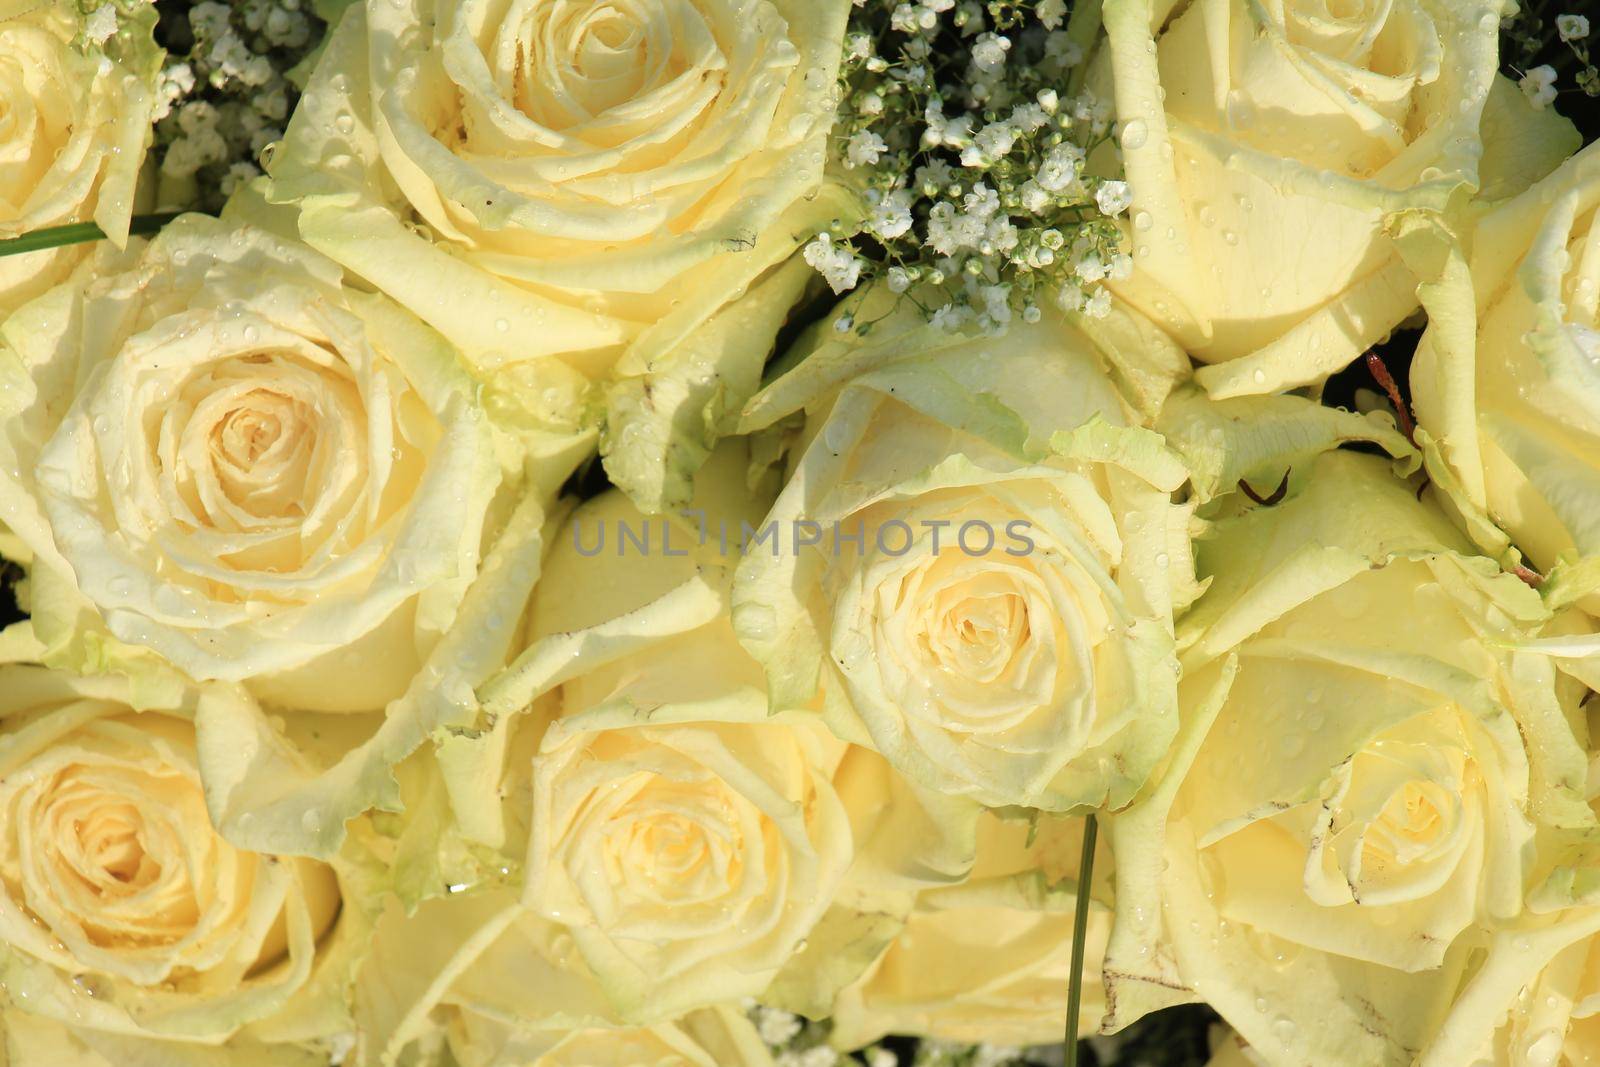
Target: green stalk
<point x="79" y="232"/>
<point x="1080" y="927"/>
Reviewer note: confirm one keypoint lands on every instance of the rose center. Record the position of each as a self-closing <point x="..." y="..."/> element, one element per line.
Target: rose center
<point x="674" y="845"/>
<point x="1346" y="10"/>
<point x="673" y="848"/>
<point x="1407" y="826"/>
<point x="248" y="434"/>
<point x="978" y="635"/>
<point x="576" y="61"/>
<point x="111" y="843"/>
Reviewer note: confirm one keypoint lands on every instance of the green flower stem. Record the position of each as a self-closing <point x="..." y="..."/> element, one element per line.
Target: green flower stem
<point x="79" y="232"/>
<point x="1080" y="928"/>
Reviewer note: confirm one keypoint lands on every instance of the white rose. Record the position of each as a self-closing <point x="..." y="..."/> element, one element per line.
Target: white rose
<point x="1267" y="145"/>
<point x="232" y="459"/>
<point x="122" y="910"/>
<point x="1507" y="378"/>
<point x="1369" y="749"/>
<point x="989" y="960"/>
<point x="975" y="562"/>
<point x="710" y="1037"/>
<point x="75" y="116"/>
<point x="566" y="192"/>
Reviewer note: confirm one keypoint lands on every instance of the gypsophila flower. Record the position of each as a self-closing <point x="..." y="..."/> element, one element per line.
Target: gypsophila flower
<point x="996" y="303"/>
<point x="990" y="143"/>
<point x="838" y="265"/>
<point x="994" y="1056"/>
<point x="1098" y="306"/>
<point x="982" y="202"/>
<point x="1572" y="27"/>
<point x="891" y="215"/>
<point x="951" y="317"/>
<point x="777" y="1027"/>
<point x="101" y="24"/>
<point x="1051" y="13"/>
<point x="969" y="159"/>
<point x="240" y="173"/>
<point x="935" y="175"/>
<point x="989" y="52"/>
<point x="1029" y="117"/>
<point x="1062" y="51"/>
<point x="1060" y="169"/>
<point x="177" y="82"/>
<point x="865" y="148"/>
<point x="1113" y="197"/>
<point x="1539" y="85"/>
<point x="234" y="58"/>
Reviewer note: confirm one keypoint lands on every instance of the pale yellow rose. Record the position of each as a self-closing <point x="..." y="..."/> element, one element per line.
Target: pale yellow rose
<point x="1534" y="999"/>
<point x="669" y="843"/>
<point x="1534" y="1002"/>
<point x="218" y="452"/>
<point x="1268" y="142"/>
<point x="674" y="843"/>
<point x="569" y="190"/>
<point x="1507" y="379"/>
<point x="975" y="562"/>
<point x="124" y="914"/>
<point x="989" y="960"/>
<point x="1369" y="746"/>
<point x="710" y="1037"/>
<point x="688" y="859"/>
<point x="75" y="118"/>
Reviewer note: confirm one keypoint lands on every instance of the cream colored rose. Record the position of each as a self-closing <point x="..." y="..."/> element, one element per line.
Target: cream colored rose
<point x="1535" y="1002"/>
<point x="1267" y="143"/>
<point x="1515" y="410"/>
<point x="1368" y="751"/>
<point x="989" y="960"/>
<point x="686" y="841"/>
<point x="75" y="118"/>
<point x="687" y="861"/>
<point x="1534" y="999"/>
<point x="675" y="844"/>
<point x="121" y="908"/>
<point x="222" y="454"/>
<point x="711" y="1037"/>
<point x="975" y="561"/>
<point x="565" y="189"/>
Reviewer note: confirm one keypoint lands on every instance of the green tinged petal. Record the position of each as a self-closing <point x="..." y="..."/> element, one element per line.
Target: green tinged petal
<point x="1260" y="440"/>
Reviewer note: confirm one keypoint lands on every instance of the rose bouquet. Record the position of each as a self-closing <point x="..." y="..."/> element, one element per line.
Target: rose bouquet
<point x="770" y="533"/>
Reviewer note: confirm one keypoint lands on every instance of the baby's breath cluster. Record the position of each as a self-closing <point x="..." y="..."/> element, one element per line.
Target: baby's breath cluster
<point x="226" y="92"/>
<point x="959" y="123"/>
<point x="1541" y="45"/>
<point x="799" y="1042"/>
